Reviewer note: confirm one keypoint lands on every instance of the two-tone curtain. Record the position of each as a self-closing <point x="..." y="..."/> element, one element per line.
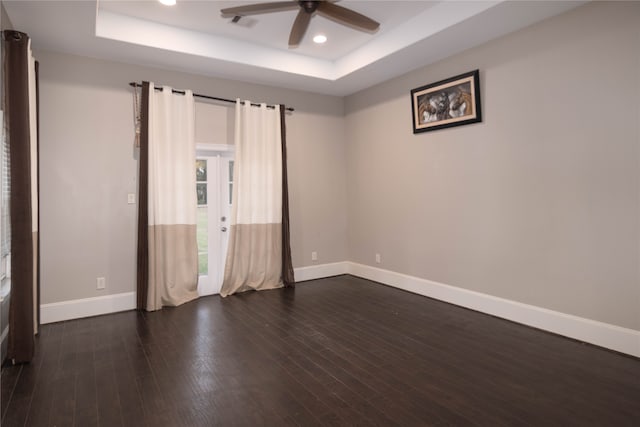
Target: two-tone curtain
<point x="259" y="255"/>
<point x="167" y="247"/>
<point x="20" y="105"/>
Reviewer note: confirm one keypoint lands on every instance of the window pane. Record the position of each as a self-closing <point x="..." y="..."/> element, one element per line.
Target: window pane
<point x="201" y="170"/>
<point x="5" y="191"/>
<point x="202" y="193"/>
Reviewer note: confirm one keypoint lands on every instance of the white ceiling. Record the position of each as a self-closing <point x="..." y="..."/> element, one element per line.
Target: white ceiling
<point x="193" y="37"/>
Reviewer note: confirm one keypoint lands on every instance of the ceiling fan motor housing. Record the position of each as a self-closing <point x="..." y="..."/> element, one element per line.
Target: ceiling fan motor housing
<point x="308" y="5"/>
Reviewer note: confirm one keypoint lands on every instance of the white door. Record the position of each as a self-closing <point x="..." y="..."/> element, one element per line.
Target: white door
<point x="214" y="177"/>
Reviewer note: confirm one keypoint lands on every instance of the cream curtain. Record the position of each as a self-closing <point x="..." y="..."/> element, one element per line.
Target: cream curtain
<point x="254" y="257"/>
<point x="172" y="247"/>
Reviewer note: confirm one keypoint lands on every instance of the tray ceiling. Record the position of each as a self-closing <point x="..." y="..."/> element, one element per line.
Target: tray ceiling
<point x="192" y="36"/>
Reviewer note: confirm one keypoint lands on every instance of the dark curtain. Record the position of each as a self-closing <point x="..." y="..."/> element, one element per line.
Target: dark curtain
<point x="21" y="342"/>
<point x="287" y="267"/>
<point x="38" y="193"/>
<point x="143" y="202"/>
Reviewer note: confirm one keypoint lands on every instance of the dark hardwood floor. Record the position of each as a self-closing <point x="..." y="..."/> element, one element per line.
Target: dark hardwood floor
<point x="337" y="351"/>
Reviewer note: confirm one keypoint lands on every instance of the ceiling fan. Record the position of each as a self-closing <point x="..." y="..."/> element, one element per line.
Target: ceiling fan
<point x="336" y="13"/>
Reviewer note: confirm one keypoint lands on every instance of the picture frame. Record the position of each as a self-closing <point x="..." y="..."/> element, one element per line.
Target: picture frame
<point x="447" y="103"/>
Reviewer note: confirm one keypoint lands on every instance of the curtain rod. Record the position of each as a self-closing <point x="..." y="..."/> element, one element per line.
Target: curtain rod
<point x="215" y="98"/>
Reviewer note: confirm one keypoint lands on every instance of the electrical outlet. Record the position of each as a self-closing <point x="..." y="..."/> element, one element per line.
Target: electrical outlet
<point x="101" y="283"/>
<point x="131" y="198"/>
<point x="378" y="259"/>
<point x="314" y="256"/>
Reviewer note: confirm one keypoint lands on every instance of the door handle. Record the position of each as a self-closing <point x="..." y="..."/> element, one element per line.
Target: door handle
<point x="223" y="229"/>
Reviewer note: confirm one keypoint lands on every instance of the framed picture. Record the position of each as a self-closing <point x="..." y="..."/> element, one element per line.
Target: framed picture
<point x="451" y="102"/>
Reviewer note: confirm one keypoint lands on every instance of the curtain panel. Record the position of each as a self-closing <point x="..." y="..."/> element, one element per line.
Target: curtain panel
<point x="258" y="244"/>
<point x="142" y="265"/>
<point x="171" y="250"/>
<point x="21" y="112"/>
<point x="288" y="279"/>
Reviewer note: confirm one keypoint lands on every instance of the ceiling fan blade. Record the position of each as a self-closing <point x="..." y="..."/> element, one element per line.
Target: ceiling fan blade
<point x="300" y="26"/>
<point x="347" y="16"/>
<point x="256" y="9"/>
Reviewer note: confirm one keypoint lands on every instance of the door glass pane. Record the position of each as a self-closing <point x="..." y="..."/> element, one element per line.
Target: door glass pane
<point x="201" y="179"/>
<point x="202" y="228"/>
<point x="203" y="238"/>
<point x="203" y="264"/>
<point x="201" y="189"/>
<point x="201" y="170"/>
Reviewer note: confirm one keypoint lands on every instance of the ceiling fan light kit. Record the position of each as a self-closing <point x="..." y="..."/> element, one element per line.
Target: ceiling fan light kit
<point x="307" y="9"/>
<point x="320" y="39"/>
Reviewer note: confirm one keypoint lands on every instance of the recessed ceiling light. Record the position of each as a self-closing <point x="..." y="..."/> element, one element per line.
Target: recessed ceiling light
<point x="320" y="38"/>
<point x="168" y="2"/>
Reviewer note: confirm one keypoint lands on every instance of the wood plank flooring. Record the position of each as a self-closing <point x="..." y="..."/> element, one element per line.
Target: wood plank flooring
<point x="337" y="351"/>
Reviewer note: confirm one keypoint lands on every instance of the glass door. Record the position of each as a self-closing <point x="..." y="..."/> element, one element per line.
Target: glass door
<point x="214" y="186"/>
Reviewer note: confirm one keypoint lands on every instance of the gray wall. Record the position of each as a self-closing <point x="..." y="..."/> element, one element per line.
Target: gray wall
<point x="88" y="165"/>
<point x="540" y="203"/>
<point x="5" y="22"/>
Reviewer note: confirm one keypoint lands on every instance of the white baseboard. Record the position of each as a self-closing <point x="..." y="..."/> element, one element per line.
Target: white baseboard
<point x="601" y="334"/>
<point x="86" y="307"/>
<point x="320" y="271"/>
